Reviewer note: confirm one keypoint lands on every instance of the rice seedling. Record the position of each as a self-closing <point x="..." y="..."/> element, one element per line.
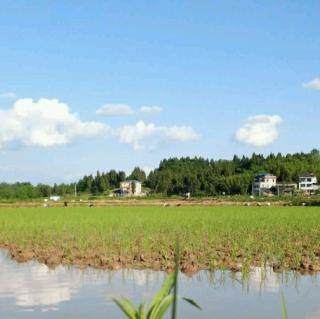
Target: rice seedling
<point x="284" y="313"/>
<point x="160" y="304"/>
<point x="165" y="298"/>
<point x="286" y="238"/>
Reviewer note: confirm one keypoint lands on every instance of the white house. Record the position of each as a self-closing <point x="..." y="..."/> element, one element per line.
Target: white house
<point x="308" y="183"/>
<point x="263" y="183"/>
<point x="131" y="188"/>
<point x="55" y="198"/>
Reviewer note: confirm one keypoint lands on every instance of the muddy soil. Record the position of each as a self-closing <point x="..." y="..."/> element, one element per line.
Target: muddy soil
<point x="189" y="263"/>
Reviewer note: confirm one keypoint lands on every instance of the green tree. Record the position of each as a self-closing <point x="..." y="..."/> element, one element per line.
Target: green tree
<point x="138" y="174"/>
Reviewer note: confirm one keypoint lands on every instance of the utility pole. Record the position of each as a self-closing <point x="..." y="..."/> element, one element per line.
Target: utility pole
<point x="75" y="189"/>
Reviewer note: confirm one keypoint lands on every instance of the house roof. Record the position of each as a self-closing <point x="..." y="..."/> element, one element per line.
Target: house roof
<point x="307" y="175"/>
<point x="262" y="175"/>
<point x="131" y="181"/>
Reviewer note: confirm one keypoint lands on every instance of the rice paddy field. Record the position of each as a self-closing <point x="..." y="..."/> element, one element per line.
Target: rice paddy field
<point x="234" y="238"/>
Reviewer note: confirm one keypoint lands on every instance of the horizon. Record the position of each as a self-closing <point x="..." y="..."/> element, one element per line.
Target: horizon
<point x="91" y="86"/>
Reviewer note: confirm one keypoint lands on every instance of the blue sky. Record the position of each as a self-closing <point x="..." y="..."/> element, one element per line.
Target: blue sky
<point x="227" y="77"/>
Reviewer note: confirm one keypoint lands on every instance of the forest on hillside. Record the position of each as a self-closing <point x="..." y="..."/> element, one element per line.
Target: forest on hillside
<point x="176" y="176"/>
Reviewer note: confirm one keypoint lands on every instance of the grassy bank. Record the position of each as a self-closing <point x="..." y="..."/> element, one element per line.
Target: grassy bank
<point x="210" y="237"/>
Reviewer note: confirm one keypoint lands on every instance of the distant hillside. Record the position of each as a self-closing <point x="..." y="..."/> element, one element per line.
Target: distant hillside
<point x="175" y="176"/>
<point x="208" y="177"/>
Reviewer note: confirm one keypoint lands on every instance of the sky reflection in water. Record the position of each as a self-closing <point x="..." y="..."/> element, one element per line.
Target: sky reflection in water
<point x="32" y="290"/>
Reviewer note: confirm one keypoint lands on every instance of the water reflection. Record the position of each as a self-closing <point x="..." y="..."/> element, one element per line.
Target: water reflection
<point x="35" y="284"/>
<point x="32" y="290"/>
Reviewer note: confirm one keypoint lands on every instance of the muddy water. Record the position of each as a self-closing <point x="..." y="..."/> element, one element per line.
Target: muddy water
<point x="31" y="290"/>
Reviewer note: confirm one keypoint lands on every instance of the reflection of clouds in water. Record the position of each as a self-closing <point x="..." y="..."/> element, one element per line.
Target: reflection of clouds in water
<point x="139" y="278"/>
<point x="34" y="284"/>
<point x="143" y="278"/>
<point x="132" y="283"/>
<point x="314" y="315"/>
<point x="23" y="287"/>
<point x="264" y="280"/>
<point x="49" y="309"/>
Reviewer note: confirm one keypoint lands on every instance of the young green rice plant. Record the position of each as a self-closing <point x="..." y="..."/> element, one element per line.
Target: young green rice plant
<point x="283" y="307"/>
<point x="166" y="297"/>
<point x="276" y="236"/>
<point x="159" y="306"/>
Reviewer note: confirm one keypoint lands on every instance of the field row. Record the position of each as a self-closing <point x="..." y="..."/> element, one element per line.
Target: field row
<point x="210" y="237"/>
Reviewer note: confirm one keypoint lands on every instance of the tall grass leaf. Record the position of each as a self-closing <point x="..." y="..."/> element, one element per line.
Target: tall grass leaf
<point x="175" y="284"/>
<point x="160" y="309"/>
<point x="141" y="312"/>
<point x="192" y="302"/>
<point x="284" y="307"/>
<point x="127" y="307"/>
<point x="163" y="292"/>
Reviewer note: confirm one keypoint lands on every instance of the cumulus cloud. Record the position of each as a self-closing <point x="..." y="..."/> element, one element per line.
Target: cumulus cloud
<point x="48" y="123"/>
<point x="8" y="95"/>
<point x="313" y="84"/>
<point x="143" y="135"/>
<point x="115" y="110"/>
<point x="259" y="130"/>
<point x="44" y="123"/>
<point x="150" y="109"/>
<point x="126" y="110"/>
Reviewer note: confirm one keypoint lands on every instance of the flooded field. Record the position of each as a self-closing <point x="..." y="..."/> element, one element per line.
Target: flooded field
<point x="210" y="238"/>
<point x="32" y="290"/>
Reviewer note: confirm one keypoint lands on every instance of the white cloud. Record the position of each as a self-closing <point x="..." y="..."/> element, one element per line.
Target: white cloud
<point x="259" y="130"/>
<point x="8" y="95"/>
<point x="313" y="84"/>
<point x="115" y="110"/>
<point x="126" y="110"/>
<point x="44" y="123"/>
<point x="150" y="109"/>
<point x="142" y="135"/>
<point x="49" y="122"/>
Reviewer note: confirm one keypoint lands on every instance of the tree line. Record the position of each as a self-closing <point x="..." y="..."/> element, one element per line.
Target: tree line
<point x="176" y="176"/>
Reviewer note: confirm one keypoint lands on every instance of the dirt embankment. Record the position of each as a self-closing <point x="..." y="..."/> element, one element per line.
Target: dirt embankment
<point x="143" y="203"/>
<point x="189" y="263"/>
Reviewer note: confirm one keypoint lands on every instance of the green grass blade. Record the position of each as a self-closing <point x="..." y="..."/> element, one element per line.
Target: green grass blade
<point x="192" y="302"/>
<point x="141" y="312"/>
<point x="127" y="307"/>
<point x="160" y="309"/>
<point x="162" y="293"/>
<point x="175" y="283"/>
<point x="283" y="307"/>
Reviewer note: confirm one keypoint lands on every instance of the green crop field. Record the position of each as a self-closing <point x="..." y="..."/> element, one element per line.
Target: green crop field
<point x="210" y="237"/>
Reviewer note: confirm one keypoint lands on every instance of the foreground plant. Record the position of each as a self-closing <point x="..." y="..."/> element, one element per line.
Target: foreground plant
<point x="283" y="307"/>
<point x="159" y="306"/>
